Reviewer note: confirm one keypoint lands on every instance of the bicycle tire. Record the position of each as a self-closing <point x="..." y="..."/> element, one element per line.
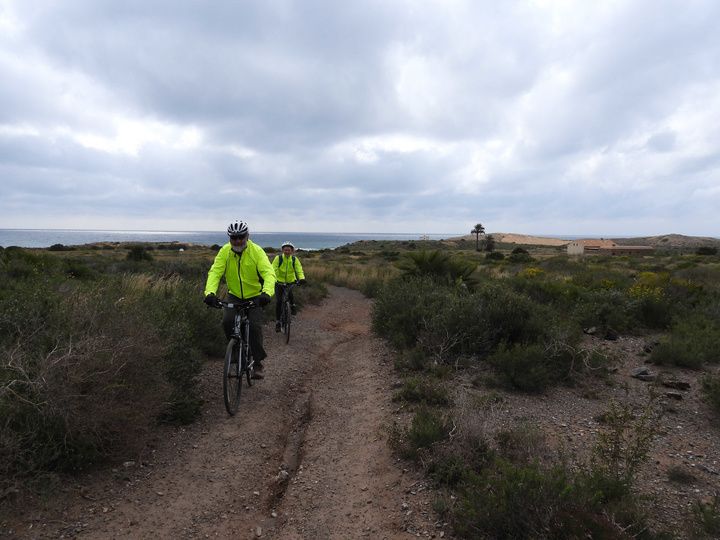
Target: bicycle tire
<point x="247" y="363"/>
<point x="287" y="318"/>
<point x="232" y="377"/>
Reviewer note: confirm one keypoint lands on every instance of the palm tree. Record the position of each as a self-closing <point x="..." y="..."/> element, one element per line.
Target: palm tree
<point x="477" y="231"/>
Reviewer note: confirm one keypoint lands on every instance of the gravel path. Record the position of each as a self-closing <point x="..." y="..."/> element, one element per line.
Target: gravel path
<point x="305" y="458"/>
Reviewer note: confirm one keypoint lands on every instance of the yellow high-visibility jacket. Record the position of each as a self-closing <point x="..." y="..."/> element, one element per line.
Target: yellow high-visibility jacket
<point x="285" y="270"/>
<point x="247" y="274"/>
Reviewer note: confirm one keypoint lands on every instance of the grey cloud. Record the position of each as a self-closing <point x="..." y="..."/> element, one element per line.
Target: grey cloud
<point x="377" y="114"/>
<point x="662" y="142"/>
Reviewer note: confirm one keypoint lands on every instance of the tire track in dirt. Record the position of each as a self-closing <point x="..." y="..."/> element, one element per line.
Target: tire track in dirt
<point x="305" y="458"/>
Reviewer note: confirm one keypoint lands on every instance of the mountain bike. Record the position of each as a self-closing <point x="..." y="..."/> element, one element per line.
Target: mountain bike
<point x="238" y="355"/>
<point x="286" y="309"/>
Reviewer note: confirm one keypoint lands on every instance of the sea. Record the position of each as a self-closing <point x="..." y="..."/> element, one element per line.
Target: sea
<point x="44" y="238"/>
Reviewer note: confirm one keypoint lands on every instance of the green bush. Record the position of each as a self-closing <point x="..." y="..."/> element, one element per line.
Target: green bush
<point x="416" y="359"/>
<point x="439" y="268"/>
<point x="708" y="516"/>
<point x="711" y="390"/>
<point x="681" y="475"/>
<point x="428" y="426"/>
<point x="400" y="305"/>
<point x="694" y="341"/>
<point x="521" y="367"/>
<point x="494" y="256"/>
<point x="603" y="308"/>
<point x="88" y="367"/>
<point x="520" y="258"/>
<point x="418" y="390"/>
<point x="650" y="306"/>
<point x="139" y="253"/>
<point x="545" y="289"/>
<point x="510" y="317"/>
<point x="61" y="247"/>
<point x="706" y="250"/>
<point x="509" y="501"/>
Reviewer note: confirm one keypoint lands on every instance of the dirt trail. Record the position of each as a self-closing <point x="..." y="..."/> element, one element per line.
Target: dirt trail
<point x="305" y="458"/>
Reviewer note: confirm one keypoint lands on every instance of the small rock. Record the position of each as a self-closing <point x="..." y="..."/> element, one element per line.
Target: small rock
<point x="643" y="374"/>
<point x="611" y="334"/>
<point x="677" y="385"/>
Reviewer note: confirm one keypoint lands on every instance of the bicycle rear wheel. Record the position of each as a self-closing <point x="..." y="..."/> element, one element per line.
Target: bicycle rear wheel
<point x="286" y="320"/>
<point x="232" y="377"/>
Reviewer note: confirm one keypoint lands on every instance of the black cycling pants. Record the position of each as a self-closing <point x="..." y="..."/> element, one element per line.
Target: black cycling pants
<point x="279" y="298"/>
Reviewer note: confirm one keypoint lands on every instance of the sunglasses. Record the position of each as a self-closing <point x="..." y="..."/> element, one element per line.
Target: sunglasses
<point x="238" y="237"/>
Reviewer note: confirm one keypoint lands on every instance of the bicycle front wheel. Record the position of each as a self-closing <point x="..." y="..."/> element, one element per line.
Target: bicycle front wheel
<point x="247" y="363"/>
<point x="232" y="377"/>
<point x="286" y="319"/>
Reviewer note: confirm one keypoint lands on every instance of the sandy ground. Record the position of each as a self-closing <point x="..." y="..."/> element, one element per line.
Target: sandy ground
<point x="520" y="239"/>
<point x="306" y="457"/>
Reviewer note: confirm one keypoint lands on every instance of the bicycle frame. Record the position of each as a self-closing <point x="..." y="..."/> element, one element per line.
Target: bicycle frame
<point x="287" y="287"/>
<point x="285" y="316"/>
<point x="238" y="357"/>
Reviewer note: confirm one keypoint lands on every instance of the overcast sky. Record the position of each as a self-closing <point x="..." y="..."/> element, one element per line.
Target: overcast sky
<point x="577" y="117"/>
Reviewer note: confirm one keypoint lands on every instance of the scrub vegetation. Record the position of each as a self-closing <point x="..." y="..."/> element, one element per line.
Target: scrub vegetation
<point x="99" y="344"/>
<point x="520" y="319"/>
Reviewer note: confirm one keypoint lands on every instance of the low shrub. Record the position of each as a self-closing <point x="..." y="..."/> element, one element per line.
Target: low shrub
<point x="604" y="308"/>
<point x="139" y="253"/>
<point x="694" y="341"/>
<point x="494" y="256"/>
<point x="428" y="427"/>
<point x="710" y="385"/>
<point x="650" y="306"/>
<point x="509" y="501"/>
<point x="400" y="305"/>
<point x="707" y="516"/>
<point x="507" y="316"/>
<point x="61" y="247"/>
<point x="680" y="475"/>
<point x="520" y="258"/>
<point x="88" y="367"/>
<point x="418" y="390"/>
<point x="439" y="268"/>
<point x="521" y="367"/>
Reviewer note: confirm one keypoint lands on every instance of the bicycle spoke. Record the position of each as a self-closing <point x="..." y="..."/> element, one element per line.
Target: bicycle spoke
<point x="232" y="377"/>
<point x="288" y="318"/>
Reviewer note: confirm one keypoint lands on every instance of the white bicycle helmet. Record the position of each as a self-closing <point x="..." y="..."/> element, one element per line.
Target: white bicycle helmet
<point x="238" y="228"/>
<point x="288" y="244"/>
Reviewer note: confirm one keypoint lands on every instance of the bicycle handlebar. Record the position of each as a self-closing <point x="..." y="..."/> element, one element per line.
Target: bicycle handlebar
<point x="239" y="305"/>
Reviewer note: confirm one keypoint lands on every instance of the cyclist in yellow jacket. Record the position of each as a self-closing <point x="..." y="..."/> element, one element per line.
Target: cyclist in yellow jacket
<point x="287" y="270"/>
<point x="249" y="276"/>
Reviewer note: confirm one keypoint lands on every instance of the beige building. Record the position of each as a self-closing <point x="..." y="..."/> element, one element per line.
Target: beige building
<point x="615" y="251"/>
<point x="605" y="248"/>
<point x="588" y="246"/>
